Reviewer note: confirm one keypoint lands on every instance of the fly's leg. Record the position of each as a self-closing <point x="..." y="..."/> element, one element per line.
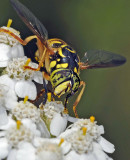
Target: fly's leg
<point x="65" y="104"/>
<point x="41" y="93"/>
<point x="82" y="83"/>
<point x="41" y="48"/>
<point x="38" y="96"/>
<point x="21" y="41"/>
<point x="46" y="91"/>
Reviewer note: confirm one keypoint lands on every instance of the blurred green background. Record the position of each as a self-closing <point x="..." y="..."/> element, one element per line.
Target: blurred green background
<point x="91" y="24"/>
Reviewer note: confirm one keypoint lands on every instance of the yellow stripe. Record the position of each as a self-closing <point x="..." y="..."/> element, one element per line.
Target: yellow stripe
<point x="58" y="66"/>
<point x="58" y="59"/>
<point x="64" y="65"/>
<point x="60" y="53"/>
<point x="72" y="51"/>
<point x="75" y="70"/>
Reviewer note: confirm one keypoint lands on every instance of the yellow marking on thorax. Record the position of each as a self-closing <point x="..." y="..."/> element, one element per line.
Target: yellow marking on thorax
<point x="58" y="59"/>
<point x="60" y="53"/>
<point x="52" y="64"/>
<point x="64" y="65"/>
<point x="72" y="51"/>
<point x="58" y="66"/>
<point x="75" y="70"/>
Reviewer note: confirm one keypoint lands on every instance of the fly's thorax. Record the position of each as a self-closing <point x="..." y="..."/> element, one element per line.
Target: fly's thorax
<point x="64" y="80"/>
<point x="64" y="58"/>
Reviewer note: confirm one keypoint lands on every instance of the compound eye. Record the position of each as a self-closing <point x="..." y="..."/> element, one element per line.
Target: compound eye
<point x="56" y="45"/>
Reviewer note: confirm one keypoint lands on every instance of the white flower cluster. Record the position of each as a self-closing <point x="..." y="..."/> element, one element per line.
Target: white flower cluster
<point x="33" y="132"/>
<point x="26" y="110"/>
<point x="8" y="39"/>
<point x="15" y="69"/>
<point x="9" y="47"/>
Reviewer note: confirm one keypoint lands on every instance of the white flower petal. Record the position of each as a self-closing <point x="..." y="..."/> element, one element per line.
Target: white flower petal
<point x="38" y="141"/>
<point x="48" y="155"/>
<point x="3" y="116"/>
<point x="72" y="156"/>
<point x="26" y="152"/>
<point x="12" y="154"/>
<point x="26" y="88"/>
<point x="38" y="77"/>
<point x="10" y="104"/>
<point x="72" y="119"/>
<point x="88" y="156"/>
<point x="2" y="133"/>
<point x="5" y="80"/>
<point x="98" y="152"/>
<point x="11" y="100"/>
<point x="3" y="63"/>
<point x="4" y="54"/>
<point x="29" y="124"/>
<point x="10" y="123"/>
<point x="43" y="129"/>
<point x="58" y="124"/>
<point x="101" y="129"/>
<point x="68" y="132"/>
<point x="106" y="145"/>
<point x="17" y="51"/>
<point x="65" y="147"/>
<point x="4" y="148"/>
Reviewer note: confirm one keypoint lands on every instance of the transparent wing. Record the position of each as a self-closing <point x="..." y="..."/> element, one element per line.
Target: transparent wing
<point x="101" y="59"/>
<point x="30" y="20"/>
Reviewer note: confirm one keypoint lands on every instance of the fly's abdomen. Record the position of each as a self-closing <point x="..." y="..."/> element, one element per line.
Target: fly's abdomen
<point x="60" y="80"/>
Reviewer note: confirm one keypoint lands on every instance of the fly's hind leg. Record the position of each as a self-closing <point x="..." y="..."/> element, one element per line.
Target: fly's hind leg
<point x="82" y="83"/>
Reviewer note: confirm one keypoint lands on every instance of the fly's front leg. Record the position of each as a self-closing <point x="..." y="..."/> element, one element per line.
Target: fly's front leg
<point x="82" y="83"/>
<point x="21" y="41"/>
<point x="65" y="104"/>
<point x="46" y="91"/>
<point x="38" y="96"/>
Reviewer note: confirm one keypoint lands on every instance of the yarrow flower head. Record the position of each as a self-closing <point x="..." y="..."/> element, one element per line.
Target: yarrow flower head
<point x="20" y="79"/>
<point x="92" y="128"/>
<point x="26" y="110"/>
<point x="9" y="46"/>
<point x="54" y="117"/>
<point x="48" y="151"/>
<point x="16" y="134"/>
<point x="19" y="133"/>
<point x="8" y="39"/>
<point x="86" y="140"/>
